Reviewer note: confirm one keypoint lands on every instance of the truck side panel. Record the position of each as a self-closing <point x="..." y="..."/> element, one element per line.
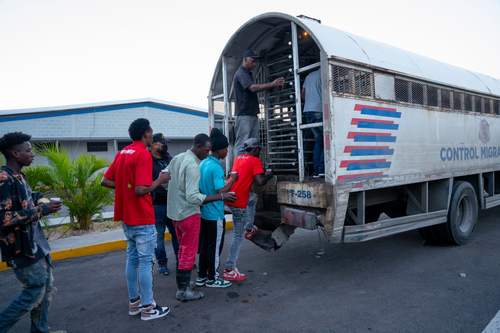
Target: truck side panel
<point x="379" y="144"/>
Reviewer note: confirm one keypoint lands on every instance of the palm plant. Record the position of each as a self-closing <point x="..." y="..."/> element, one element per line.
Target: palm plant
<point x="77" y="182"/>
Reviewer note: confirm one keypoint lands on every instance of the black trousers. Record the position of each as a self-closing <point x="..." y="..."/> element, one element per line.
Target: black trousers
<point x="211" y="244"/>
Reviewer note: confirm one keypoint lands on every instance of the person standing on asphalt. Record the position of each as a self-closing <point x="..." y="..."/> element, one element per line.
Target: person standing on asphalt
<point x="247" y="102"/>
<point x="311" y="93"/>
<point x="212" y="182"/>
<point x="184" y="201"/>
<point x="22" y="242"/>
<point x="249" y="168"/>
<point x="161" y="159"/>
<point x="130" y="175"/>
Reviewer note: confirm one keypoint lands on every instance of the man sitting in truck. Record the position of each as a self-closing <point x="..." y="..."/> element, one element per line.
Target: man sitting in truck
<point x="247" y="102"/>
<point x="248" y="168"/>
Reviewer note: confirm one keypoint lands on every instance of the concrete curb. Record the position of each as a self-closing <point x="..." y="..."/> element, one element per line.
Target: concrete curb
<point x="93" y="249"/>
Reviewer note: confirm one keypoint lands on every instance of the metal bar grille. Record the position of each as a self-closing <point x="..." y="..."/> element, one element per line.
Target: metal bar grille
<point x="298" y="107"/>
<point x="410" y="91"/>
<point x="280" y="114"/>
<point x="347" y="80"/>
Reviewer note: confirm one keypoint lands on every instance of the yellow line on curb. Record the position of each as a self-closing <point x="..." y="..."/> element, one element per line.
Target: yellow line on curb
<point x="89" y="250"/>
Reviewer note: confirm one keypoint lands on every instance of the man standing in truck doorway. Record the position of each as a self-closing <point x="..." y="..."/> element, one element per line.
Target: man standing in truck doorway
<point x="311" y="93"/>
<point x="247" y="102"/>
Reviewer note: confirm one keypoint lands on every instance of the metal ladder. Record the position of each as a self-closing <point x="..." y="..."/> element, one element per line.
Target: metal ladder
<point x="287" y="145"/>
<point x="281" y="116"/>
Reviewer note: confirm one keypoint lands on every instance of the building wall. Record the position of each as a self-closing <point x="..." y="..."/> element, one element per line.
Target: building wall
<point x="75" y="148"/>
<point x="73" y="131"/>
<point x="108" y="124"/>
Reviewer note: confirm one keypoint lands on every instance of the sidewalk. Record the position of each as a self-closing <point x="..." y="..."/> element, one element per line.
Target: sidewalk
<point x="55" y="221"/>
<point x="94" y="243"/>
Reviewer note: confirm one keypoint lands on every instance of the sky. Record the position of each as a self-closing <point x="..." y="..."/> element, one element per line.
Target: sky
<point x="63" y="52"/>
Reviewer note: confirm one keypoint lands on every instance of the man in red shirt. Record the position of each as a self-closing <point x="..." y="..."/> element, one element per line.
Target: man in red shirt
<point x="249" y="168"/>
<point x="130" y="175"/>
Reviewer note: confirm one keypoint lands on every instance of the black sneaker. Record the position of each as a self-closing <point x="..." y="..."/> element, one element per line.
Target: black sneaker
<point x="200" y="282"/>
<point x="218" y="283"/>
<point x="163" y="270"/>
<point x="154" y="311"/>
<point x="134" y="308"/>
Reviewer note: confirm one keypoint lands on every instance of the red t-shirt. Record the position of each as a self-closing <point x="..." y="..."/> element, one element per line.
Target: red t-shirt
<point x="247" y="167"/>
<point x="133" y="166"/>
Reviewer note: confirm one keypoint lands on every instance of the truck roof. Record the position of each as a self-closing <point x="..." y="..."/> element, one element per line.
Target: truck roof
<point x="342" y="45"/>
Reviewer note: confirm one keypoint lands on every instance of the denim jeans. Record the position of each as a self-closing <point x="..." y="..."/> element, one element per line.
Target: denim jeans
<point x="245" y="127"/>
<point x="141" y="244"/>
<point x="162" y="222"/>
<point x="35" y="297"/>
<point x="318" y="151"/>
<point x="243" y="219"/>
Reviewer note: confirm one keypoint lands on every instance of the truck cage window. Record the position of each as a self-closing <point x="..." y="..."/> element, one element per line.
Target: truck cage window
<point x="420" y="93"/>
<point x="352" y="80"/>
<point x="348" y="80"/>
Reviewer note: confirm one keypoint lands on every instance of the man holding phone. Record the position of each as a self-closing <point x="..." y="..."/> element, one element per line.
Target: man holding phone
<point x="22" y="242"/>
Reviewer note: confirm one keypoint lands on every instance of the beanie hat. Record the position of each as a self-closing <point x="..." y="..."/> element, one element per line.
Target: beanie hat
<point x="218" y="140"/>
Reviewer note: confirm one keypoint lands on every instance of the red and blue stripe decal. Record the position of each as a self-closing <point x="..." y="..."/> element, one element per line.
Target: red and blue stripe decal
<point x="374" y="125"/>
<point x="377" y="111"/>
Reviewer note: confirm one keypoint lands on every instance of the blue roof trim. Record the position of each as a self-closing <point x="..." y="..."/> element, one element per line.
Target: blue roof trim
<point x="104" y="108"/>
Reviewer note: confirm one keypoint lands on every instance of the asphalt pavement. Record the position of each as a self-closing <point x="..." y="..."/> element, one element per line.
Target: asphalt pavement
<point x="395" y="284"/>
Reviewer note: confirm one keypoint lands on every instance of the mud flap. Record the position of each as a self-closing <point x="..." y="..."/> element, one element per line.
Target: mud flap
<point x="282" y="234"/>
<point x="272" y="241"/>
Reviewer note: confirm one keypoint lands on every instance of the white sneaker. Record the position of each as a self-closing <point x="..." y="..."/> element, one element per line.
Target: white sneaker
<point x="154" y="312"/>
<point x="218" y="283"/>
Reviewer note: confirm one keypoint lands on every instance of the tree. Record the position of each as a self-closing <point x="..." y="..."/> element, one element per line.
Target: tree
<point x="77" y="182"/>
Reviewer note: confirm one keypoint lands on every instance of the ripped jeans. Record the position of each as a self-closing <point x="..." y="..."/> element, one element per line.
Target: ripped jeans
<point x="243" y="219"/>
<point x="37" y="282"/>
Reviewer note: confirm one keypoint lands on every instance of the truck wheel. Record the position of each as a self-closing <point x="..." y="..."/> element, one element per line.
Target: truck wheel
<point x="462" y="217"/>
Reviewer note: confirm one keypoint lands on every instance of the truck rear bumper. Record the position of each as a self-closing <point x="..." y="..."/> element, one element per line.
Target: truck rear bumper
<point x="305" y="205"/>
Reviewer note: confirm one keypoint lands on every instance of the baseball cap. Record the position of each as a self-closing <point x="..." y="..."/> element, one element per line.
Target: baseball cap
<point x="250" y="54"/>
<point x="250" y="144"/>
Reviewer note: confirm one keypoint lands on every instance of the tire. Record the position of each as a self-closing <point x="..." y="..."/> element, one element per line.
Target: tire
<point x="462" y="218"/>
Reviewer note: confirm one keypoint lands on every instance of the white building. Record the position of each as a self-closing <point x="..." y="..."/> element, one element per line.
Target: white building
<point x="102" y="128"/>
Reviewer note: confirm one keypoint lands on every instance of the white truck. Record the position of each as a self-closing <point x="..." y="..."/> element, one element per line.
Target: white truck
<point x="409" y="142"/>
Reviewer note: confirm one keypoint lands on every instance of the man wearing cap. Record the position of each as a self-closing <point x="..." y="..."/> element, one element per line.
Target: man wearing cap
<point x="247" y="103"/>
<point x="161" y="159"/>
<point x="248" y="167"/>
